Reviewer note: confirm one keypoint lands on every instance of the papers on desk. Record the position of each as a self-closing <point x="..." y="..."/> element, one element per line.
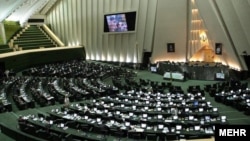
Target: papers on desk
<point x="139" y="129"/>
<point x="165" y="130"/>
<point x="168" y="120"/>
<point x="123" y="128"/>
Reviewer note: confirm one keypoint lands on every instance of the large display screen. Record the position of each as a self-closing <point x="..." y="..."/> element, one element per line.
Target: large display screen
<point x="120" y="22"/>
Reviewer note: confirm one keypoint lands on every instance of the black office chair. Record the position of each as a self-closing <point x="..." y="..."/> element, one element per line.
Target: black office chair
<point x="40" y="115"/>
<point x="55" y="137"/>
<point x="134" y="135"/>
<point x="71" y="124"/>
<point x="151" y="137"/>
<point x="116" y="132"/>
<point x="41" y="133"/>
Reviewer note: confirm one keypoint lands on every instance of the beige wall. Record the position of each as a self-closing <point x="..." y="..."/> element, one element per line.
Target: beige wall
<point x="80" y="22"/>
<point x="170" y="27"/>
<point x="224" y="26"/>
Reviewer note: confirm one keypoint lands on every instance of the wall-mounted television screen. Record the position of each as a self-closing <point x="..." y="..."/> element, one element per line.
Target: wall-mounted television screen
<point x="122" y="22"/>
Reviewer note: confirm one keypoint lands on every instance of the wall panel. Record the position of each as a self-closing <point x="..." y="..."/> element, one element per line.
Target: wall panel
<point x="170" y="27"/>
<point x="242" y="9"/>
<point x="219" y="31"/>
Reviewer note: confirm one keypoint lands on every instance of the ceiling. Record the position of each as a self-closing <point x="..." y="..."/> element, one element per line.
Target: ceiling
<point x="22" y="10"/>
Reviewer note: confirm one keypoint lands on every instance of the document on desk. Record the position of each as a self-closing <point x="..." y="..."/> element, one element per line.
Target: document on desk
<point x="167" y="120"/>
<point x="139" y="129"/>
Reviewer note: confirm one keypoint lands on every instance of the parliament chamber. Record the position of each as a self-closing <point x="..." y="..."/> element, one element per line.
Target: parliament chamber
<point x="127" y="70"/>
<point x="110" y="102"/>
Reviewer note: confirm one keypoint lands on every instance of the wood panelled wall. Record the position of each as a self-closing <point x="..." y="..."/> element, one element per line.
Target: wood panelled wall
<point x="80" y="22"/>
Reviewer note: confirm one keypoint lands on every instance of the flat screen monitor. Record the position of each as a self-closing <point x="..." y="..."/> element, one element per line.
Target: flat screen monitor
<point x="122" y="22"/>
<point x="201" y="109"/>
<point x="62" y="125"/>
<point x="215" y="109"/>
<point x="207" y="118"/>
<point x="197" y="127"/>
<point x="191" y="117"/>
<point x="202" y="122"/>
<point x="143" y="125"/>
<point x="134" y="107"/>
<point x="127" y="123"/>
<point x="51" y="122"/>
<point x="144" y="115"/>
<point x="196" y="103"/>
<point x="178" y="127"/>
<point x="158" y="108"/>
<point x="160" y="126"/>
<point x="118" y="112"/>
<point x="131" y="114"/>
<point x="98" y="119"/>
<point x="175" y="117"/>
<point x="223" y="117"/>
<point x="159" y="116"/>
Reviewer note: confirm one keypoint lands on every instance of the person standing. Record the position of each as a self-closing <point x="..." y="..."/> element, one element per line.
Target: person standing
<point x="66" y="100"/>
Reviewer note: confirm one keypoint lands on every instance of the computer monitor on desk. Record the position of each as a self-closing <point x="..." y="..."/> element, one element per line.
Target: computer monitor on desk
<point x="158" y="108"/>
<point x="191" y="118"/>
<point x="215" y="109"/>
<point x="196" y="103"/>
<point x="127" y="124"/>
<point x="159" y="116"/>
<point x="197" y="127"/>
<point x="160" y="127"/>
<point x="178" y="127"/>
<point x="144" y="115"/>
<point x="143" y="125"/>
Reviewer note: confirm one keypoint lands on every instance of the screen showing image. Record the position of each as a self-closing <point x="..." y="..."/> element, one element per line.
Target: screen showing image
<point x="120" y="22"/>
<point x="117" y="23"/>
<point x="178" y="127"/>
<point x="196" y="103"/>
<point x="160" y="126"/>
<point x="143" y="125"/>
<point x="127" y="123"/>
<point x="160" y="117"/>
